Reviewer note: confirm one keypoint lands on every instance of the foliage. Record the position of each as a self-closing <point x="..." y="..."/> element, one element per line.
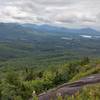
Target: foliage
<point x="20" y="84"/>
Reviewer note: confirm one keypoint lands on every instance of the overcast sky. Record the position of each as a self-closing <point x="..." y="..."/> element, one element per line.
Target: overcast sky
<point x="68" y="13"/>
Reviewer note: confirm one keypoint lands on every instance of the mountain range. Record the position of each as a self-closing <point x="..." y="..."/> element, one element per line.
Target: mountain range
<point x="29" y="31"/>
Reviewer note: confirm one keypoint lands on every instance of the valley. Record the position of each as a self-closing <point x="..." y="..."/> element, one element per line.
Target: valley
<point x="41" y="57"/>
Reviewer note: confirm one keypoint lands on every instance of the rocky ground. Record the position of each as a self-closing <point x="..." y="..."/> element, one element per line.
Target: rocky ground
<point x="69" y="88"/>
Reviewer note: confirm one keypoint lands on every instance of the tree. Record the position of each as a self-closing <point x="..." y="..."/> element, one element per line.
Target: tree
<point x="85" y="61"/>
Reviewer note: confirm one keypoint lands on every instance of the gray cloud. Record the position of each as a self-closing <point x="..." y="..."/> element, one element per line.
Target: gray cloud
<point x="63" y="12"/>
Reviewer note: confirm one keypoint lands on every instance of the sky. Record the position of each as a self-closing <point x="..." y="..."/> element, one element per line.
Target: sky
<point x="68" y="13"/>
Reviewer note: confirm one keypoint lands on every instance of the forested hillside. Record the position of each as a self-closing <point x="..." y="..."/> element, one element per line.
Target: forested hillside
<point x="20" y="84"/>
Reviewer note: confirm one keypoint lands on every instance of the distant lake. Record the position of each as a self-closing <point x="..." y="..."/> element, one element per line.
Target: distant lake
<point x="86" y="36"/>
<point x="66" y="38"/>
<point x="89" y="36"/>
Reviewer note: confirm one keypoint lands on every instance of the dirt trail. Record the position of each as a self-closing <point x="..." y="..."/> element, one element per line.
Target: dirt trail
<point x="71" y="88"/>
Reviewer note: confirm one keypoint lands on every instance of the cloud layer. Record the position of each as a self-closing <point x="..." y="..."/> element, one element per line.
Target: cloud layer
<point x="71" y="13"/>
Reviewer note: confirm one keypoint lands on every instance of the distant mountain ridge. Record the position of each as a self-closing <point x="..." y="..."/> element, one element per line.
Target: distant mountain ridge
<point x="50" y="28"/>
<point x="14" y="30"/>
